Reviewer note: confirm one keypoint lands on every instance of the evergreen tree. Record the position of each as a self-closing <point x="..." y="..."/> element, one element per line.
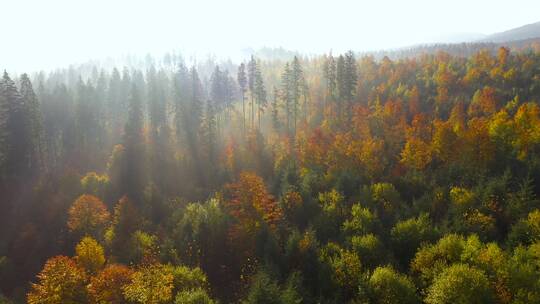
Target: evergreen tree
<point x="159" y="156"/>
<point x="330" y="77"/>
<point x="286" y="95"/>
<point x="181" y="95"/>
<point x="350" y="82"/>
<point x="17" y="141"/>
<point x="252" y="74"/>
<point x="114" y="104"/>
<point x="296" y="85"/>
<point x="132" y="177"/>
<point x="242" y="82"/>
<point x="35" y="120"/>
<point x="275" y="110"/>
<point x="260" y="94"/>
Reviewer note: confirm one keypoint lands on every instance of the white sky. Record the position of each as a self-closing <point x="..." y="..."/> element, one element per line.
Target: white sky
<point x="43" y="34"/>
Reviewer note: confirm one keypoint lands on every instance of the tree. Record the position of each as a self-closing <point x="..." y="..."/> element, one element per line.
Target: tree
<point x="408" y="235"/>
<point x="60" y="281"/>
<point x="125" y="222"/>
<point x="17" y="131"/>
<point x="260" y="94"/>
<point x="263" y="290"/>
<point x="296" y="79"/>
<point x="107" y="286"/>
<point x="194" y="296"/>
<point x="242" y="82"/>
<point x="330" y="76"/>
<point x="88" y="216"/>
<point x="370" y="249"/>
<point x="345" y="268"/>
<point x="35" y="121"/>
<point x="151" y="284"/>
<point x="286" y="95"/>
<point x="89" y="254"/>
<point x="460" y="284"/>
<point x="389" y="287"/>
<point x="416" y="154"/>
<point x="132" y="176"/>
<point x="362" y="221"/>
<point x="346" y="77"/>
<point x="252" y="70"/>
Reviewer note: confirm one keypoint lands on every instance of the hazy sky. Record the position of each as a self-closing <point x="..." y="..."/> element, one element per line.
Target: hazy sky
<point x="42" y="34"/>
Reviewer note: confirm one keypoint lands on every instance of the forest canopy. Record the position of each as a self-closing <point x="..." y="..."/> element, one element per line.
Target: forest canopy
<point x="318" y="179"/>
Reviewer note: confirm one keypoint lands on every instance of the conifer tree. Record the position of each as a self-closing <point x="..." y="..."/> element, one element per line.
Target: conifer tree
<point x="260" y="94"/>
<point x="35" y="120"/>
<point x="252" y="74"/>
<point x="132" y="176"/>
<point x="297" y="81"/>
<point x="17" y="130"/>
<point x="242" y="82"/>
<point x="275" y="113"/>
<point x="181" y="95"/>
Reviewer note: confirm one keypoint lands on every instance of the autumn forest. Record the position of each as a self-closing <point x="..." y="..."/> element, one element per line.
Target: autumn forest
<point x="336" y="178"/>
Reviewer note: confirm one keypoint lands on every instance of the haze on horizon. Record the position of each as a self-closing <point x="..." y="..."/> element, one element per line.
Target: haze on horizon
<point x="49" y="34"/>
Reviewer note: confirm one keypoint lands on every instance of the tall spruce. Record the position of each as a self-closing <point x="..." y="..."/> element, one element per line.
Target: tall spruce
<point x="242" y="82"/>
<point x="17" y="143"/>
<point x="132" y="176"/>
<point x="260" y="95"/>
<point x="35" y="120"/>
<point x="296" y="80"/>
<point x="286" y="96"/>
<point x="252" y="74"/>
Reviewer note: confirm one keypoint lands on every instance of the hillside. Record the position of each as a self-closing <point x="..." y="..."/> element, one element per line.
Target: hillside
<point x="520" y="33"/>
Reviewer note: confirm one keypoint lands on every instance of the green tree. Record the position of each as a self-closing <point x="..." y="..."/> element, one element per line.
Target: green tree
<point x="389" y="287"/>
<point x="242" y="82"/>
<point x="132" y="176"/>
<point x="90" y="255"/>
<point x="460" y="284"/>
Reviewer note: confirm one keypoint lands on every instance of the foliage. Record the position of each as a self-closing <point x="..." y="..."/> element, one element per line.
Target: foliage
<point x="60" y="281"/>
<point x="150" y="284"/>
<point x="88" y="216"/>
<point x="89" y="254"/>
<point x="108" y="285"/>
<point x="460" y="283"/>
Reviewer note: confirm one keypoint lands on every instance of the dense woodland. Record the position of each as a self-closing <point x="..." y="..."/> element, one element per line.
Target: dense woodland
<point x="324" y="179"/>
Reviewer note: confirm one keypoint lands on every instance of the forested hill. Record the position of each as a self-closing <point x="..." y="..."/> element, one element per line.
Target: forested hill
<point x="528" y="31"/>
<point x="321" y="179"/>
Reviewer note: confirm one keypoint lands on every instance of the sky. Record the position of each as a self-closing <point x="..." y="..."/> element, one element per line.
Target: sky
<point x="39" y="34"/>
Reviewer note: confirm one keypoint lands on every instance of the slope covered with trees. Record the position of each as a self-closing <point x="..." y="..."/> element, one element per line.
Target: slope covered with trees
<point x="330" y="179"/>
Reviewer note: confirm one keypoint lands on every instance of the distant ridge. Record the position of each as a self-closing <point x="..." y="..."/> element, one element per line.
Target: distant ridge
<point x="524" y="32"/>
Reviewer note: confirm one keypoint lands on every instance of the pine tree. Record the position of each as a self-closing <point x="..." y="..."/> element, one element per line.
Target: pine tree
<point x="275" y="113"/>
<point x="296" y="85"/>
<point x="286" y="95"/>
<point x="330" y="76"/>
<point x="132" y="176"/>
<point x="350" y="82"/>
<point x="260" y="94"/>
<point x="17" y="135"/>
<point x="242" y="82"/>
<point x="252" y="74"/>
<point x="341" y="86"/>
<point x="159" y="128"/>
<point x="181" y="95"/>
<point x="35" y="120"/>
<point x="209" y="132"/>
<point x="114" y="104"/>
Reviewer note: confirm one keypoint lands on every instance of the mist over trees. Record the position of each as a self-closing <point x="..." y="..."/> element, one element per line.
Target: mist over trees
<point x="324" y="179"/>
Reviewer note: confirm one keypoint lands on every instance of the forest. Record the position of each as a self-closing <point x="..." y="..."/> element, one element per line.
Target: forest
<point x="336" y="178"/>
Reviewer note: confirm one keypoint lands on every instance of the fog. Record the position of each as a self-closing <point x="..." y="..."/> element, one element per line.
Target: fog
<point x="47" y="34"/>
